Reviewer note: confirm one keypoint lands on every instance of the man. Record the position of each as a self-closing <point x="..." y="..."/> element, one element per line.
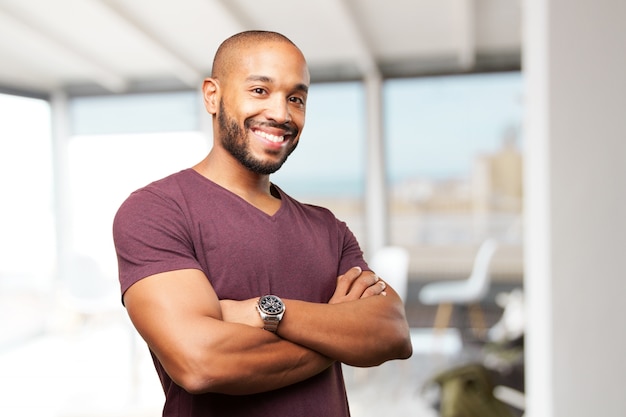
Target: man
<point x="199" y="251"/>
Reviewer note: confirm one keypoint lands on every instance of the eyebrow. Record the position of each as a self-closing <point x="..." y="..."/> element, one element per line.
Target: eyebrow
<point x="265" y="79"/>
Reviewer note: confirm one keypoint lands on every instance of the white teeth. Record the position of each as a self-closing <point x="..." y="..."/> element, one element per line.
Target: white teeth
<point x="271" y="138"/>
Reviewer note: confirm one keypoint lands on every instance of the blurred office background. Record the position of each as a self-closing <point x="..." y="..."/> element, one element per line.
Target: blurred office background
<point x="432" y="126"/>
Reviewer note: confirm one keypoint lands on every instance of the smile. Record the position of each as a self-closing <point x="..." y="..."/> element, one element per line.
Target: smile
<point x="269" y="136"/>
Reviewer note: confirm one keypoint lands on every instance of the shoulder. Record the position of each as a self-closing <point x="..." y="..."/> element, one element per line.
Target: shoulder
<point x="172" y="185"/>
<point x="170" y="188"/>
<point x="161" y="199"/>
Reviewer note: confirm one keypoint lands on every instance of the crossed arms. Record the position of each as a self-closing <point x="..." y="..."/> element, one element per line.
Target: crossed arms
<point x="208" y="345"/>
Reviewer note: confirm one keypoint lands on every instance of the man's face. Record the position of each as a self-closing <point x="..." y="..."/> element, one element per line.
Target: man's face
<point x="235" y="141"/>
<point x="262" y="108"/>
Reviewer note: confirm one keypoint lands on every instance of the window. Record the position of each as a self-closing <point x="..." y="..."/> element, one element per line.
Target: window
<point x="27" y="242"/>
<point x="27" y="235"/>
<point x="454" y="155"/>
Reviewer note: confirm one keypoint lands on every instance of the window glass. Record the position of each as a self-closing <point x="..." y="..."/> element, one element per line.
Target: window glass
<point x="135" y="113"/>
<point x="454" y="150"/>
<point x="454" y="158"/>
<point x="27" y="233"/>
<point x="27" y="243"/>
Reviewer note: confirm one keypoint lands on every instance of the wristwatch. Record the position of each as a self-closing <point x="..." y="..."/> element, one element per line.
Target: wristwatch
<point x="271" y="308"/>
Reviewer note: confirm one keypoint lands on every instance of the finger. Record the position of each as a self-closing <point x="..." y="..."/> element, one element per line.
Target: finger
<point x="376" y="289"/>
<point x="345" y="281"/>
<point x="362" y="283"/>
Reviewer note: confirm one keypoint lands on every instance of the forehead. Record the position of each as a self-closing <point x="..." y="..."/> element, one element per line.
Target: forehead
<point x="275" y="60"/>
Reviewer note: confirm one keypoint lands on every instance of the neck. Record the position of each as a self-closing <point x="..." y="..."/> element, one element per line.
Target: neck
<point x="230" y="174"/>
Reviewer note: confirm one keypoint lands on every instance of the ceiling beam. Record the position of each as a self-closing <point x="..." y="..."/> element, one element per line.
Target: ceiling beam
<point x="366" y="61"/>
<point x="467" y="32"/>
<point x="230" y="8"/>
<point x="104" y="76"/>
<point x="185" y="71"/>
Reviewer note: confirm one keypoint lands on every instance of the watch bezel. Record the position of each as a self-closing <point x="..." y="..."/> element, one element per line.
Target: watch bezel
<point x="271" y="317"/>
<point x="272" y="305"/>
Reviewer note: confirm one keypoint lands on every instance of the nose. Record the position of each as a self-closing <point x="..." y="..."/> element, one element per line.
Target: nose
<point x="278" y="110"/>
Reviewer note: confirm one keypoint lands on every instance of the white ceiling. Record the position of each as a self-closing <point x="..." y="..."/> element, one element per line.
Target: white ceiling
<point x="95" y="46"/>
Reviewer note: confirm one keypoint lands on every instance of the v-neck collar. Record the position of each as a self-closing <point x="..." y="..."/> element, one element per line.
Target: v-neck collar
<point x="274" y="190"/>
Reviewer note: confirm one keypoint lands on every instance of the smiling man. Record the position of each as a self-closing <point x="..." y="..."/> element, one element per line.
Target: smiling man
<point x="248" y="299"/>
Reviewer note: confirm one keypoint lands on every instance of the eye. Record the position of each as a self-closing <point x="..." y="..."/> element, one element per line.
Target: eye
<point x="297" y="100"/>
<point x="258" y="90"/>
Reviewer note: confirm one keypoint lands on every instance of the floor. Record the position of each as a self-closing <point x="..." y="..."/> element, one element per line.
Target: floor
<point x="100" y="368"/>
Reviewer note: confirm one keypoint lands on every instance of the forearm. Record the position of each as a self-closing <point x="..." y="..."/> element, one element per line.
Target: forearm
<point x="179" y="316"/>
<point x="246" y="360"/>
<point x="364" y="332"/>
<point x="362" y="325"/>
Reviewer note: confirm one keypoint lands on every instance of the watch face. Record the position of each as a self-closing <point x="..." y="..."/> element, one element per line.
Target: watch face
<point x="271" y="304"/>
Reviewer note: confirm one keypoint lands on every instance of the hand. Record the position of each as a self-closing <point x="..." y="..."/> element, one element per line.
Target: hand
<point x="356" y="284"/>
<point x="242" y="312"/>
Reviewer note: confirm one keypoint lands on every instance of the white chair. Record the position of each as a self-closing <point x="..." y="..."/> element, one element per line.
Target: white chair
<point x="391" y="264"/>
<point x="468" y="292"/>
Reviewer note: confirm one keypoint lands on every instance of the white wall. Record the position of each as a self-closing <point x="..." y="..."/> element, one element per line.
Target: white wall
<point x="575" y="69"/>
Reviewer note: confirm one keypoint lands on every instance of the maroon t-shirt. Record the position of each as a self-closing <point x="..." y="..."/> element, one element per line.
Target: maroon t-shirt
<point x="187" y="221"/>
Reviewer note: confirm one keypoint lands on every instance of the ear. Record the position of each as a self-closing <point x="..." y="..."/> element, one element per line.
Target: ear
<point x="210" y="93"/>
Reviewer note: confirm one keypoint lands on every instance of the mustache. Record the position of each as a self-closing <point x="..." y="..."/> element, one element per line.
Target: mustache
<point x="289" y="128"/>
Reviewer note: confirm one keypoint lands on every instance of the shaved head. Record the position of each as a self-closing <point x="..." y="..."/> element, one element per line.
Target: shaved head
<point x="257" y="97"/>
<point x="229" y="52"/>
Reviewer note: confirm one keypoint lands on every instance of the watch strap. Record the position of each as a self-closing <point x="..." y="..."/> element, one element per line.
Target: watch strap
<point x="271" y="323"/>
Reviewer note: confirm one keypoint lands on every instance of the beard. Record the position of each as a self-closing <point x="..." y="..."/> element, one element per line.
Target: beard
<point x="235" y="141"/>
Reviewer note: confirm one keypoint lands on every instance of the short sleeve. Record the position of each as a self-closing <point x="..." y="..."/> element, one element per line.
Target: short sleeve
<point x="351" y="254"/>
<point x="151" y="237"/>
